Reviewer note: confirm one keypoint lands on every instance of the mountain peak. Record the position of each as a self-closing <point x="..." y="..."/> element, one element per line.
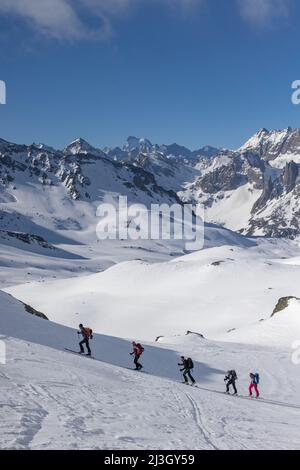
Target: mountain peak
<point x="137" y="144"/>
<point x="262" y="131"/>
<point x="81" y="146"/>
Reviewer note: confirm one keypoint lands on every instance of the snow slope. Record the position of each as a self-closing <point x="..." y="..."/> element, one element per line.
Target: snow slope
<point x="210" y="291"/>
<point x="51" y="399"/>
<point x="233" y="210"/>
<point x="280" y="330"/>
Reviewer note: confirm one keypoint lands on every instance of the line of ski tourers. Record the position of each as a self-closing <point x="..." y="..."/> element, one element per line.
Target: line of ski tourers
<point x="186" y="364"/>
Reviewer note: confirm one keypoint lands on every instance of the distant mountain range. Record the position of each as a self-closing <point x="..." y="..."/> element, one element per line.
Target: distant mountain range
<point x="254" y="190"/>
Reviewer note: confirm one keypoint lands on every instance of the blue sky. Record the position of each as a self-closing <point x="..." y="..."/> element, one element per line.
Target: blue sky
<point x="192" y="71"/>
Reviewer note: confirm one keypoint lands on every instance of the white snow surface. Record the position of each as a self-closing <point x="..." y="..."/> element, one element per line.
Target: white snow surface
<point x="233" y="210"/>
<point x="210" y="291"/>
<point x="52" y="399"/>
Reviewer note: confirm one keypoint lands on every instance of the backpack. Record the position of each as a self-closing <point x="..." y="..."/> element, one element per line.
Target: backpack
<point x="190" y="363"/>
<point x="233" y="374"/>
<point x="256" y="378"/>
<point x="140" y="348"/>
<point x="89" y="333"/>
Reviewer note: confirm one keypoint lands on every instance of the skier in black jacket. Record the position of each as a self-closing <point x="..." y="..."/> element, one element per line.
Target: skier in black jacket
<point x="231" y="378"/>
<point x="187" y="365"/>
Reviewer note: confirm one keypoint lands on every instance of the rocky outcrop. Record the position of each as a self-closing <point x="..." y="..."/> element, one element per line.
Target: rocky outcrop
<point x="290" y="176"/>
<point x="32" y="311"/>
<point x="282" y="304"/>
<point x="26" y="238"/>
<point x="226" y="178"/>
<point x="195" y="334"/>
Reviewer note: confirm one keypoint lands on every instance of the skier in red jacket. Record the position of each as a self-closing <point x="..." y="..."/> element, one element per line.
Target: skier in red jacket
<point x="137" y="352"/>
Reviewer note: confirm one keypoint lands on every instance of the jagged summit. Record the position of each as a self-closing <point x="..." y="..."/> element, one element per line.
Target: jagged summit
<point x="81" y="146"/>
<point x="255" y="189"/>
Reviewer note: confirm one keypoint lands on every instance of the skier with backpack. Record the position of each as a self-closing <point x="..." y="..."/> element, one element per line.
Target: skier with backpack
<point x="87" y="334"/>
<point x="230" y="379"/>
<point x="137" y="352"/>
<point x="254" y="384"/>
<point x="187" y="366"/>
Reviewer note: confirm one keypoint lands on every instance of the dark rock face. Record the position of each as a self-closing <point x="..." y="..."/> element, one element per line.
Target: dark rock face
<point x="270" y="190"/>
<point x="175" y="150"/>
<point x="282" y="304"/>
<point x="32" y="311"/>
<point x="273" y="229"/>
<point x="194" y="333"/>
<point x="290" y="176"/>
<point x="282" y="193"/>
<point x="226" y="178"/>
<point x="239" y="169"/>
<point x="205" y="152"/>
<point x="27" y="238"/>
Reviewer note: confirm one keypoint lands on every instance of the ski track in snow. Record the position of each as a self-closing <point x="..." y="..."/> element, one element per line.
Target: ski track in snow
<point x="199" y="422"/>
<point x="51" y="399"/>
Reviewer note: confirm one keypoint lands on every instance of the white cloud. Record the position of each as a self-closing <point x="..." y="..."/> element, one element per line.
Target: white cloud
<point x="262" y="12"/>
<point x="72" y="19"/>
<point x="55" y="18"/>
<point x="63" y="19"/>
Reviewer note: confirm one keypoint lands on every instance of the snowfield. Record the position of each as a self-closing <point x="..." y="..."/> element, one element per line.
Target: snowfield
<point x="211" y="292"/>
<point x="52" y="399"/>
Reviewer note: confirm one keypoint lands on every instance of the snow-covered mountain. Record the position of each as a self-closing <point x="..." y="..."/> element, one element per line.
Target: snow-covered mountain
<point x="276" y="146"/>
<point x="86" y="173"/>
<point x="82" y="147"/>
<point x="45" y="192"/>
<point x="254" y="190"/>
<point x="135" y="146"/>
